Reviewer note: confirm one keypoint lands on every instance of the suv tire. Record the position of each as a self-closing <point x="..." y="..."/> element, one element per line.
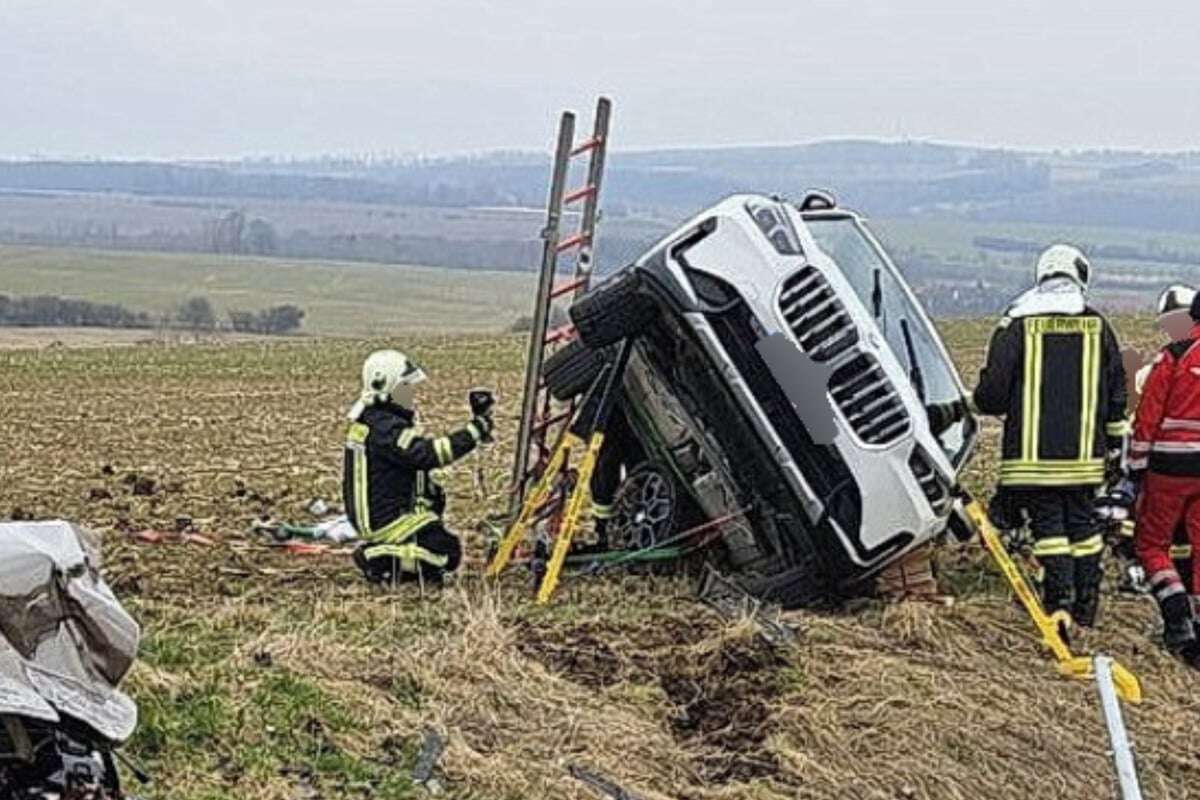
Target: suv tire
<point x="613" y="310"/>
<point x="572" y="369"/>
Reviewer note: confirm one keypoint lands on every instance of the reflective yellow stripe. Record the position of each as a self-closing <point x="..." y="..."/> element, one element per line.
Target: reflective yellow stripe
<point x="408" y="554"/>
<point x="406" y="438"/>
<point x="1052" y="546"/>
<point x="1181" y="551"/>
<point x="445" y="454"/>
<point x="357" y="434"/>
<point x="1032" y="388"/>
<point x="362" y="506"/>
<point x="420" y="498"/>
<point x="601" y="511"/>
<point x="1052" y="473"/>
<point x="1088" y="547"/>
<point x="356" y="439"/>
<point x="1090" y="390"/>
<point x="473" y="429"/>
<point x="402" y="528"/>
<point x="1119" y="428"/>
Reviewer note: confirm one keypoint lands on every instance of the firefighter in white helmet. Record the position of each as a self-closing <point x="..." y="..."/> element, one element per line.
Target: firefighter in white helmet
<point x="1174" y="320"/>
<point x="1054" y="373"/>
<point x="390" y="494"/>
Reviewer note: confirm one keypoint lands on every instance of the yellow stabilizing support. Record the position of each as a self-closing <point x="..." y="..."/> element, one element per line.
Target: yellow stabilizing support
<point x="1127" y="685"/>
<point x="533" y="501"/>
<point x="570" y="520"/>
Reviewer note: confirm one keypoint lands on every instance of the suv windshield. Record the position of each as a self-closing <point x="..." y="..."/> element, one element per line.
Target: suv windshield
<point x="898" y="319"/>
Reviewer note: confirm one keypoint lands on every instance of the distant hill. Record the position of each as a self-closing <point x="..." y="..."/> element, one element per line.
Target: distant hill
<point x="964" y="222"/>
<point x="1130" y="189"/>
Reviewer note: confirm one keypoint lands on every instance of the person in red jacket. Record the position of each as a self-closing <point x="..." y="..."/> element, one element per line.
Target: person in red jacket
<point x="1165" y="457"/>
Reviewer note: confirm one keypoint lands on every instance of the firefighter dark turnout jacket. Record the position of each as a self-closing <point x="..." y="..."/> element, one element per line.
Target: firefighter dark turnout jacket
<point x="387" y="488"/>
<point x="1059" y="382"/>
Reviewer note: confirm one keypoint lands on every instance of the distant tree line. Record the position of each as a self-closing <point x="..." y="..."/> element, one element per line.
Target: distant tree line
<point x="197" y="314"/>
<point x="1153" y="251"/>
<point x="271" y="321"/>
<point x="51" y="311"/>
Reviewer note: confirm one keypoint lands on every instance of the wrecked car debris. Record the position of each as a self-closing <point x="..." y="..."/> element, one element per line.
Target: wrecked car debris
<point x="67" y="643"/>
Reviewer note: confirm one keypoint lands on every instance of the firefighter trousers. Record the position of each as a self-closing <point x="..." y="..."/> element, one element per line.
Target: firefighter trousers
<point x="621" y="450"/>
<point x="1164" y="504"/>
<point x="1068" y="546"/>
<point x="426" y="555"/>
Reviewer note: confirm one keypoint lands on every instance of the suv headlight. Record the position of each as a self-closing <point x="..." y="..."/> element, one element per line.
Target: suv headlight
<point x="770" y="219"/>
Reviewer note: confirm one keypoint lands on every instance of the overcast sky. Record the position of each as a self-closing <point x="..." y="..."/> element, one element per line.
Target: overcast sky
<point x="199" y="78"/>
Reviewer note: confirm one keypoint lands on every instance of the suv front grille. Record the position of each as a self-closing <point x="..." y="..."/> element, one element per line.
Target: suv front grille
<point x="816" y="316"/>
<point x="868" y="400"/>
<point x="821" y="465"/>
<point x="935" y="490"/>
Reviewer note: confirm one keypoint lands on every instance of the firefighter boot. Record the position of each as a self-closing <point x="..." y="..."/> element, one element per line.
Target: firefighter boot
<point x="1058" y="590"/>
<point x="1179" y="631"/>
<point x="1058" y="583"/>
<point x="1088" y="576"/>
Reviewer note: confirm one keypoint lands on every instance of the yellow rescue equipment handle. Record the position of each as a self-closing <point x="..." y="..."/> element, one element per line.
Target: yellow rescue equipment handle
<point x="533" y="501"/>
<point x="570" y="520"/>
<point x="1127" y="685"/>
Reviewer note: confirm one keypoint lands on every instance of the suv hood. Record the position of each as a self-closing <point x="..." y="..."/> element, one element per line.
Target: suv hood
<point x="65" y="640"/>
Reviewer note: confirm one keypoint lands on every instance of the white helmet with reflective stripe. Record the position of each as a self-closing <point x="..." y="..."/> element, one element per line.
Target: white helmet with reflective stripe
<point x="1064" y="260"/>
<point x="387" y="376"/>
<point x="1174" y="311"/>
<point x="1176" y="298"/>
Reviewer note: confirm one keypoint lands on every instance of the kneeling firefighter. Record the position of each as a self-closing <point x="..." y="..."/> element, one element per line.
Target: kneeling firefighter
<point x="1054" y="372"/>
<point x="1164" y="459"/>
<point x="391" y="498"/>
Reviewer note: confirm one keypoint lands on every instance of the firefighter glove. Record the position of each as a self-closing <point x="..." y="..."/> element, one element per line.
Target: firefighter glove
<point x="481" y="401"/>
<point x="943" y="415"/>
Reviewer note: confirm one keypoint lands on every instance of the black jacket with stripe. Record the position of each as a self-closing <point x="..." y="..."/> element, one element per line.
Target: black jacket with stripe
<point x="1059" y="383"/>
<point x="385" y="473"/>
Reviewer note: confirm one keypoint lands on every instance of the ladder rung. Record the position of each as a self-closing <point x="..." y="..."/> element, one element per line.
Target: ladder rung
<point x="572" y="241"/>
<point x="569" y="286"/>
<point x="587" y="144"/>
<point x="579" y="194"/>
<point x="542" y="424"/>
<point x="558" y="334"/>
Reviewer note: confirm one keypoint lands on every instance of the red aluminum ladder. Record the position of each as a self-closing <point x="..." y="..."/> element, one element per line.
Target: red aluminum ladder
<point x="541" y="422"/>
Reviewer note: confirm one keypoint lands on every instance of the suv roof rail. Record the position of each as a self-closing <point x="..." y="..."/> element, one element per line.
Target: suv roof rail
<point x="818" y="200"/>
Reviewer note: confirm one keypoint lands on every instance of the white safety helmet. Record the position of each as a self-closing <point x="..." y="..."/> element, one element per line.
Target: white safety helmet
<point x="1064" y="260"/>
<point x="1176" y="298"/>
<point x="1174" y="311"/>
<point x="387" y="376"/>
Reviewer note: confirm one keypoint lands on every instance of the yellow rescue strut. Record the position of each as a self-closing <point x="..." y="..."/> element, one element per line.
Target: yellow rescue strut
<point x="596" y="408"/>
<point x="571" y="513"/>
<point x="1080" y="667"/>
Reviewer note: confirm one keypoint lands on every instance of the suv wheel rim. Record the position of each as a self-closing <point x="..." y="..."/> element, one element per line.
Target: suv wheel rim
<point x="645" y="508"/>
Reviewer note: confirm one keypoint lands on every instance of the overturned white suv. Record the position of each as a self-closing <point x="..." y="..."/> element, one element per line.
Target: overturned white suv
<point x="817" y="492"/>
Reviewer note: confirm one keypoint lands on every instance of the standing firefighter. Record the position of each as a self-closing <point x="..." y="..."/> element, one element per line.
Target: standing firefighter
<point x="1165" y="460"/>
<point x="1175" y="321"/>
<point x="390" y="496"/>
<point x="1054" y="372"/>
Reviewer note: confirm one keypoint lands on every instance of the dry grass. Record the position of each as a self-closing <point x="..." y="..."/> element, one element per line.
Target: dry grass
<point x="273" y="676"/>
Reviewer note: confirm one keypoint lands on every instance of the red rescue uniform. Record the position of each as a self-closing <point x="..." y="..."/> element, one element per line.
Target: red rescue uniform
<point x="1166" y="448"/>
